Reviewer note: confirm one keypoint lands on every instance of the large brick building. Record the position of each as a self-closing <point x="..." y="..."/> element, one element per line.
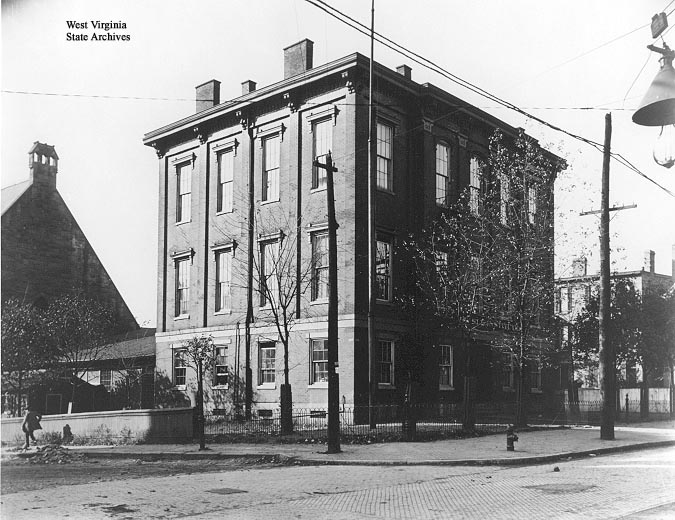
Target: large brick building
<point x="246" y="166"/>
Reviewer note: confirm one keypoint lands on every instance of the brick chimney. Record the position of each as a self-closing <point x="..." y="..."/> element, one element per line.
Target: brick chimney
<point x="207" y="95"/>
<point x="298" y="58"/>
<point x="247" y="87"/>
<point x="649" y="261"/>
<point x="579" y="266"/>
<point x="404" y="71"/>
<point x="43" y="164"/>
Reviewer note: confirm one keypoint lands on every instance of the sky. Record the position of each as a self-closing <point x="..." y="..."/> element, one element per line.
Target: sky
<point x="567" y="62"/>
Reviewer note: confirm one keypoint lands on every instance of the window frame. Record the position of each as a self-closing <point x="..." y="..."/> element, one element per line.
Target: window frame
<point x="182" y="292"/>
<point x="109" y="378"/>
<point x="508" y="372"/>
<point x="225" y="186"/>
<point x="319" y="175"/>
<point x="447" y="362"/>
<point x="535" y="375"/>
<point x="505" y="199"/>
<point x="270" y="371"/>
<point x="221" y="305"/>
<point x="179" y="354"/>
<point x="388" y="274"/>
<point x="476" y="184"/>
<point x="270" y="190"/>
<point x="532" y="208"/>
<point x="223" y="364"/>
<point x="442" y="177"/>
<point x="265" y="302"/>
<point x="384" y="156"/>
<point x="183" y="211"/>
<point x="314" y="362"/>
<point x="319" y="277"/>
<point x="383" y="363"/>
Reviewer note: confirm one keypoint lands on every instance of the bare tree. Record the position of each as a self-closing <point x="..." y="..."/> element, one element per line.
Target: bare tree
<point x="199" y="352"/>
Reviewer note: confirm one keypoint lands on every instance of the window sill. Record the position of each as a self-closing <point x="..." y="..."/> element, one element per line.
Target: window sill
<point x="220" y="387"/>
<point x="225" y="212"/>
<point x="267" y="386"/>
<point x="388" y="303"/>
<point x="181" y="317"/>
<point x="318" y="386"/>
<point x="224" y="312"/>
<point x="318" y="190"/>
<point x="265" y="202"/>
<point x="445" y="388"/>
<point x="322" y="301"/>
<point x="536" y="391"/>
<point x="180" y="387"/>
<point x="386" y="386"/>
<point x="385" y="190"/>
<point x="183" y="222"/>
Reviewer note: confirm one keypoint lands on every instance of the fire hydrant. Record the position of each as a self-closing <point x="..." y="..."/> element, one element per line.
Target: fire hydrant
<point x="511" y="437"/>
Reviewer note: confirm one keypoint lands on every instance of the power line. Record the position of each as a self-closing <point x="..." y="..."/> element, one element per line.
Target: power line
<point x="101" y="96"/>
<point x="425" y="62"/>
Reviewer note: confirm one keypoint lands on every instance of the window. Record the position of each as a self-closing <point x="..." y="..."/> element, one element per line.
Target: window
<point x="319" y="361"/>
<point x="531" y="204"/>
<point x="223" y="281"/>
<point x="182" y="268"/>
<point x="475" y="185"/>
<point x="508" y="371"/>
<point x="445" y="365"/>
<point x="565" y="335"/>
<point x="225" y="181"/>
<point x="386" y="375"/>
<point x="319" y="266"/>
<point x="385" y="135"/>
<point x="383" y="269"/>
<point x="221" y="370"/>
<point x="535" y="375"/>
<point x="270" y="180"/>
<point x="183" y="192"/>
<point x="267" y="371"/>
<point x="442" y="173"/>
<point x="323" y="143"/>
<point x="105" y="378"/>
<point x="504" y="199"/>
<point x="179" y="367"/>
<point x="269" y="283"/>
<point x="564" y="302"/>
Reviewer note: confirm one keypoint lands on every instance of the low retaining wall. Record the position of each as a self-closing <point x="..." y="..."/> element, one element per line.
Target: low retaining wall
<point x="118" y="426"/>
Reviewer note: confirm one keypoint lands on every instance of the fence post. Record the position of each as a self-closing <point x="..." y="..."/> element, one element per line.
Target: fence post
<point x="626" y="408"/>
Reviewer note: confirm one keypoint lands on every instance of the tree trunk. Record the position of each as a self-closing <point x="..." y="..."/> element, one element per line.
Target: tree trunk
<point x="200" y="406"/>
<point x="286" y="398"/>
<point x="469" y="411"/>
<point x="521" y="396"/>
<point x="644" y="394"/>
<point x="18" y="401"/>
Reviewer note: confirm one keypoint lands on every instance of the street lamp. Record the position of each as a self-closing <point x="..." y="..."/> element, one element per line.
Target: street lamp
<point x="658" y="106"/>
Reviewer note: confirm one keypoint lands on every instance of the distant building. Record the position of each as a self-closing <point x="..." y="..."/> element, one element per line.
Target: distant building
<point x="45" y="254"/>
<point x="255" y="153"/>
<point x="575" y="291"/>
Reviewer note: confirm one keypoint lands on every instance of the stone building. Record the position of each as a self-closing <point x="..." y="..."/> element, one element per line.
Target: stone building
<point x="238" y="185"/>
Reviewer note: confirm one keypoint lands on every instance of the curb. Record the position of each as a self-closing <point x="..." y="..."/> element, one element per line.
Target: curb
<point x="288" y="459"/>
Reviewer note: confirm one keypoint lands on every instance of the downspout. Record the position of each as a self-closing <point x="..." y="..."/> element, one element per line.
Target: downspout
<point x="207" y="201"/>
<point x="249" y="272"/>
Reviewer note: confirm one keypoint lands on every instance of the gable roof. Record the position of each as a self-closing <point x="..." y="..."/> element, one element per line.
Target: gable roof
<point x="11" y="194"/>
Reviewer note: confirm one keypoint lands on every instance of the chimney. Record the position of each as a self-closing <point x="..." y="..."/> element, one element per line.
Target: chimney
<point x="579" y="266"/>
<point x="404" y="71"/>
<point x="298" y="58"/>
<point x="648" y="261"/>
<point x="43" y="164"/>
<point x="208" y="94"/>
<point x="247" y="87"/>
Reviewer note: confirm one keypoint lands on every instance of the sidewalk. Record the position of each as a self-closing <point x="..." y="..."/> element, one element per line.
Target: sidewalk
<point x="533" y="447"/>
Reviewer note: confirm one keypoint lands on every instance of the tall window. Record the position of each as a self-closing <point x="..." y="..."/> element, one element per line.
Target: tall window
<point x="445" y="364"/>
<point x="179" y="367"/>
<point x="531" y="204"/>
<point x="221" y="369"/>
<point x="183" y="192"/>
<point x="475" y="185"/>
<point x="323" y="143"/>
<point x="105" y="378"/>
<point x="386" y="362"/>
<point x="442" y="173"/>
<point x="182" y="268"/>
<point x="319" y="266"/>
<point x="385" y="136"/>
<point x="270" y="180"/>
<point x="535" y="375"/>
<point x="508" y="370"/>
<point x="223" y="281"/>
<point x="267" y="364"/>
<point x="564" y="303"/>
<point x="269" y="283"/>
<point x="319" y="357"/>
<point x="225" y="181"/>
<point x="383" y="269"/>
<point x="504" y="199"/>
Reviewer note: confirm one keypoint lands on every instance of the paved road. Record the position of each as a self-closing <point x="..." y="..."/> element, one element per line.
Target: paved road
<point x="629" y="485"/>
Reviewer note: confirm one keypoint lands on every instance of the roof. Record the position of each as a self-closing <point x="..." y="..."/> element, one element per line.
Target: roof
<point x="11" y="194"/>
<point x="140" y="343"/>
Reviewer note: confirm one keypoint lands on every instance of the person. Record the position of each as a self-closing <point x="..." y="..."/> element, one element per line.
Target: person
<point x="31" y="422"/>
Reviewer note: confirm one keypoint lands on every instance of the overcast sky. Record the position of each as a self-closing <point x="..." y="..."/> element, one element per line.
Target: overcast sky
<point x="94" y="100"/>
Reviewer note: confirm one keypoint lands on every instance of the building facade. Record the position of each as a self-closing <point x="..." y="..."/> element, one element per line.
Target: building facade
<point x="242" y="204"/>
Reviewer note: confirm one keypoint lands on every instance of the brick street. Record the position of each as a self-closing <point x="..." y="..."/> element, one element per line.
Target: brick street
<point x="633" y="485"/>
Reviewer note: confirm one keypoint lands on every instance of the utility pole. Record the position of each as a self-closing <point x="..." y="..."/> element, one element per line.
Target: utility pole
<point x="606" y="367"/>
<point x="333" y="377"/>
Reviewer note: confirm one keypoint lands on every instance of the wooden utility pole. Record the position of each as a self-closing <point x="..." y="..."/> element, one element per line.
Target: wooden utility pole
<point x="333" y="377"/>
<point x="607" y="370"/>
